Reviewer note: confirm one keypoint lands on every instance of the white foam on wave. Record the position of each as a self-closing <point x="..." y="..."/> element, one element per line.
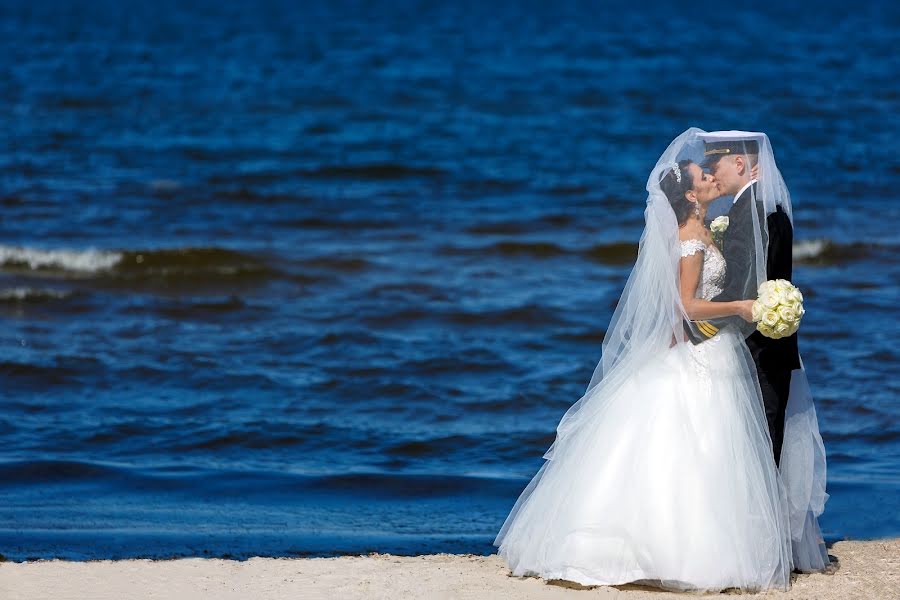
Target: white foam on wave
<point x="806" y="249"/>
<point x="82" y="261"/>
<point x="24" y="293"/>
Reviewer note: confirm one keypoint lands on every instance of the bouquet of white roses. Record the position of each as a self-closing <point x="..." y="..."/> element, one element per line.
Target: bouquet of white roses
<point x="778" y="309"/>
<point x="718" y="227"/>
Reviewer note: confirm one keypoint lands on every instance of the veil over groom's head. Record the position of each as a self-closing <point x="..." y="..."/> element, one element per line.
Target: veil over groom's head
<point x="730" y="156"/>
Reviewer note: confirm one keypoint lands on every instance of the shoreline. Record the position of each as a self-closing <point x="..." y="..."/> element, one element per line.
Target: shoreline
<point x="866" y="569"/>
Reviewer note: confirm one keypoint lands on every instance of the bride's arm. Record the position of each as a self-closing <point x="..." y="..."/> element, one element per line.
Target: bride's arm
<point x="699" y="309"/>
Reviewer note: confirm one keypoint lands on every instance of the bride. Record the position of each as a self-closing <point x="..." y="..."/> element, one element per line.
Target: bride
<point x="663" y="473"/>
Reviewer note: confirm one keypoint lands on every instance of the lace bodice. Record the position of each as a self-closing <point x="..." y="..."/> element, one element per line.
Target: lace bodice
<point x="712" y="277"/>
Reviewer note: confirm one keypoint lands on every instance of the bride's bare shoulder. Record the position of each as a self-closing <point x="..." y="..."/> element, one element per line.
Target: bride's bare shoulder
<point x="694" y="232"/>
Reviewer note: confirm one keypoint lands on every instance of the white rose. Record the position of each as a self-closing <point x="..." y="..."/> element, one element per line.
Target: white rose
<point x="719" y="224"/>
<point x="769" y="299"/>
<point x="765" y="330"/>
<point x="796" y="296"/>
<point x="757" y="311"/>
<point x="769" y="317"/>
<point x="765" y="286"/>
<point x="782" y="328"/>
<point x="787" y="314"/>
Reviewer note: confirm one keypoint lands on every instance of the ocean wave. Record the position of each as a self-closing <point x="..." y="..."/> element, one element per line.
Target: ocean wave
<point x="432" y="447"/>
<point x="476" y="360"/>
<point x="377" y="171"/>
<point x="814" y="251"/>
<point x="25" y="295"/>
<point x="526" y="314"/>
<point x="253" y="195"/>
<point x="402" y="316"/>
<point x="22" y="374"/>
<point x="191" y="262"/>
<point x="201" y="308"/>
<point x="536" y="249"/>
<point x="610" y="253"/>
<point x="407" y="290"/>
<point x="388" y="485"/>
<point x="824" y="251"/>
<point x="348" y="264"/>
<point x="615" y="253"/>
<point x="41" y="471"/>
<point x="507" y="248"/>
<point x="811" y="249"/>
<point x="250" y="483"/>
<point x="246" y="440"/>
<point x="355" y="225"/>
<point x="186" y="265"/>
<point x="165" y="186"/>
<point x="74" y="261"/>
<point x="508" y="227"/>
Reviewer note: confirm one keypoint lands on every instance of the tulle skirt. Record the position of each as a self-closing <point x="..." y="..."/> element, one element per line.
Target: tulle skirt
<point x="669" y="481"/>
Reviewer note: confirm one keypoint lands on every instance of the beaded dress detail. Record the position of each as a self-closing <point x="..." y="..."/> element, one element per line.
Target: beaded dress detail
<point x="712" y="278"/>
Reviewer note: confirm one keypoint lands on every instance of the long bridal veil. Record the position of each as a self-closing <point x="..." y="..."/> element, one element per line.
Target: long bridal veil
<point x="648" y="334"/>
<point x="803" y="470"/>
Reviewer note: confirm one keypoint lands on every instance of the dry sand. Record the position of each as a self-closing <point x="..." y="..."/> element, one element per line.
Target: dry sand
<point x="868" y="569"/>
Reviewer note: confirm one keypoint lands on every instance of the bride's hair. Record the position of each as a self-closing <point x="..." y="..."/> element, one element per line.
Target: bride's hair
<point x="675" y="189"/>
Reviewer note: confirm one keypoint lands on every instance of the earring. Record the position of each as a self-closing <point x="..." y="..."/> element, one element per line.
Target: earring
<point x="697" y="209"/>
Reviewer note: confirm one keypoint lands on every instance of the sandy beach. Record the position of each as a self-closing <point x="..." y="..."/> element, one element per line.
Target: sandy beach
<point x="869" y="569"/>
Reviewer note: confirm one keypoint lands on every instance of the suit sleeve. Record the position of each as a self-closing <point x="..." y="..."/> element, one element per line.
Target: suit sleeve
<point x="785" y="351"/>
<point x="781" y="239"/>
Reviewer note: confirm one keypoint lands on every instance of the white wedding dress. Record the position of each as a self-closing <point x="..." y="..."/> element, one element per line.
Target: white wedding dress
<point x="670" y="482"/>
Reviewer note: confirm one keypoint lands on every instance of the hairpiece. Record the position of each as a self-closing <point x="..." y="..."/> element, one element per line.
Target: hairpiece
<point x="677" y="171"/>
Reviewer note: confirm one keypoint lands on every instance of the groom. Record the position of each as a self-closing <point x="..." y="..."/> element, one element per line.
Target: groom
<point x="731" y="161"/>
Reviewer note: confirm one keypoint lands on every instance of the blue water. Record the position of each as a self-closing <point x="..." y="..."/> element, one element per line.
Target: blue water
<point x="321" y="278"/>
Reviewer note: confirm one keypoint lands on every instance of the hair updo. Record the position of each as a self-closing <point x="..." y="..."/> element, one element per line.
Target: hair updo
<point x="674" y="190"/>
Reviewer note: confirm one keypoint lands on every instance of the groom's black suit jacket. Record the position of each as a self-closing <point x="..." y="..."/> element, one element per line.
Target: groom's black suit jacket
<point x="767" y="353"/>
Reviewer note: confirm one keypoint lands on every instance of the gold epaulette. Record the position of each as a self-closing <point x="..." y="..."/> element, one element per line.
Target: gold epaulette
<point x="707" y="328"/>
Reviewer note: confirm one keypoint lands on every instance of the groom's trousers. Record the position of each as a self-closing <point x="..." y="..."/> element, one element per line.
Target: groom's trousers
<point x="775" y="359"/>
<point x="775" y="385"/>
